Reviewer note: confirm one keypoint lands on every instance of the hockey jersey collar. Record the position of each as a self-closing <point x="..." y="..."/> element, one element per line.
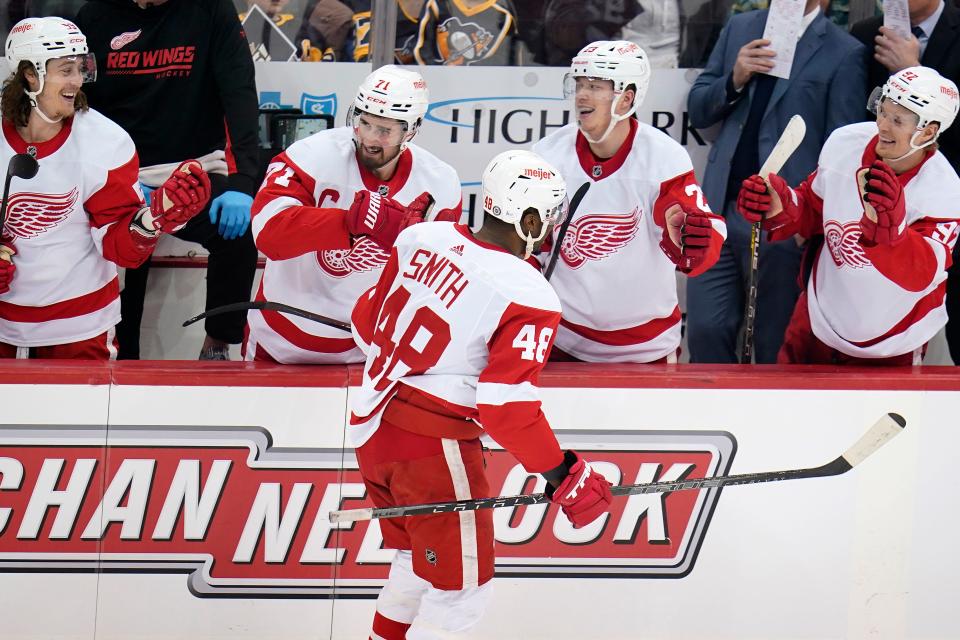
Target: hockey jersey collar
<point x="465" y="232"/>
<point x="599" y="168"/>
<point x="392" y="186"/>
<point x="39" y="149"/>
<point x="870" y="155"/>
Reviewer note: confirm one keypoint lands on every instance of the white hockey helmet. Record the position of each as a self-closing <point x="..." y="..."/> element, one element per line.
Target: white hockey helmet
<point x="518" y="180"/>
<point x="394" y="92"/>
<point x="622" y="62"/>
<point x="925" y="92"/>
<point x="39" y="40"/>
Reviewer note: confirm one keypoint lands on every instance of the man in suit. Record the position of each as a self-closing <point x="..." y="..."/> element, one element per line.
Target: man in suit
<point x="826" y="87"/>
<point x="934" y="43"/>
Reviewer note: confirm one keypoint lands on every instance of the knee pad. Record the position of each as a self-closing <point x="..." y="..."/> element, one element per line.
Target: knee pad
<point x="400" y="598"/>
<point x="444" y="614"/>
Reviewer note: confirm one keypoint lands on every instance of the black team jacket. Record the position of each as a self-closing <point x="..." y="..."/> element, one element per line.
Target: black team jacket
<point x="179" y="78"/>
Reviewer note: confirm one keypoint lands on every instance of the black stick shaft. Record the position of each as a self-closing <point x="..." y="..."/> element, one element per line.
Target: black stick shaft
<point x="836" y="467"/>
<point x="266" y="305"/>
<point x="3" y="205"/>
<point x="574" y="204"/>
<point x="888" y="426"/>
<point x="750" y="310"/>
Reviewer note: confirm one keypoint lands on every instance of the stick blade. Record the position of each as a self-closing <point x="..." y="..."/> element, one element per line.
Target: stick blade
<point x="884" y="430"/>
<point x="789" y="140"/>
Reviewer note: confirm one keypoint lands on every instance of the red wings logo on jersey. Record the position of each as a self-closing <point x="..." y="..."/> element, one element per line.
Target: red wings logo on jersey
<point x="844" y="245"/>
<point x="364" y="256"/>
<point x="596" y="236"/>
<point x="30" y="214"/>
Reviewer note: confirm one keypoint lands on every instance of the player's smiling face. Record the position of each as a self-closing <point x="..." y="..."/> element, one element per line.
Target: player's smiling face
<point x="895" y="126"/>
<point x="378" y="139"/>
<point x="592" y="98"/>
<point x="61" y="84"/>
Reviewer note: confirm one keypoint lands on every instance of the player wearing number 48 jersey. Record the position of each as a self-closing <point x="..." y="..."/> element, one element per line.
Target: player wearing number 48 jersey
<point x="329" y="210"/>
<point x="643" y="218"/>
<point x="456" y="332"/>
<point x="884" y="201"/>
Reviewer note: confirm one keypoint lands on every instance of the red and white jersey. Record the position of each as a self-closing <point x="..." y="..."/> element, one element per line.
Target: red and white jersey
<point x="881" y="301"/>
<point x="70" y="227"/>
<point x="468" y="325"/>
<point x="617" y="286"/>
<point x="299" y="225"/>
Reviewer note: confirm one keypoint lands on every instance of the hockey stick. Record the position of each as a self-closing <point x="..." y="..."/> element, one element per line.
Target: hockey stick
<point x="21" y="165"/>
<point x="886" y="428"/>
<point x="574" y="203"/>
<point x="266" y="305"/>
<point x="789" y="140"/>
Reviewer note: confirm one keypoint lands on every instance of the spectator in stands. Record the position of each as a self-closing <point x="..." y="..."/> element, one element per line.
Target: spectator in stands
<point x="935" y="43"/>
<point x="271" y="29"/>
<point x="467" y="32"/>
<point x="178" y="76"/>
<point x="885" y="201"/>
<point x="656" y="28"/>
<point x="570" y="25"/>
<point x="825" y="87"/>
<point x="357" y="42"/>
<point x="81" y="214"/>
<point x="324" y="30"/>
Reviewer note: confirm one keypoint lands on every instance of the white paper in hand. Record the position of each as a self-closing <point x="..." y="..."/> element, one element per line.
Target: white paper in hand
<point x="896" y="16"/>
<point x="783" y="31"/>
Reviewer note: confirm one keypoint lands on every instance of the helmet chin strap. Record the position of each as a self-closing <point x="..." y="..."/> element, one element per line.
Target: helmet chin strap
<point x="913" y="146"/>
<point x="36" y="106"/>
<point x="614" y="120"/>
<point x="530" y="239"/>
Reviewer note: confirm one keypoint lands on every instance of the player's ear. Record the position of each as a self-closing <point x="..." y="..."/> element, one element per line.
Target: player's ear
<point x="30" y="77"/>
<point x="626" y="99"/>
<point x="929" y="132"/>
<point x="531" y="222"/>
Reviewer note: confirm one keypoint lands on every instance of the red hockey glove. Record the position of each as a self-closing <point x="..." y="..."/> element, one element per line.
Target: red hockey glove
<point x="753" y="201"/>
<point x="693" y="230"/>
<point x="7" y="267"/>
<point x="776" y="206"/>
<point x="583" y="494"/>
<point x="184" y="194"/>
<point x="884" y="211"/>
<point x="384" y="218"/>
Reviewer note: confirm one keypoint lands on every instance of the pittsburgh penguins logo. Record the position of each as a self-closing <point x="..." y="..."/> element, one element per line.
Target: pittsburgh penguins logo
<point x="462" y="44"/>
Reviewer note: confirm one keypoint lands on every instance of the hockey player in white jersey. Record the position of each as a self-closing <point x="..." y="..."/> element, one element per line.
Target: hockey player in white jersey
<point x="884" y="200"/>
<point x="643" y="218"/>
<point x="456" y="332"/>
<point x="68" y="228"/>
<point x="329" y="210"/>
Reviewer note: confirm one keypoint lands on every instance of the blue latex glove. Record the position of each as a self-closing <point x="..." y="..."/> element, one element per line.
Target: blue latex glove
<point x="146" y="192"/>
<point x="232" y="208"/>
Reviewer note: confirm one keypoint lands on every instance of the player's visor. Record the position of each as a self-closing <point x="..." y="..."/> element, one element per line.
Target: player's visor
<point x="873" y="102"/>
<point x="85" y="65"/>
<point x="558" y="214"/>
<point x="377" y="131"/>
<point x="598" y="88"/>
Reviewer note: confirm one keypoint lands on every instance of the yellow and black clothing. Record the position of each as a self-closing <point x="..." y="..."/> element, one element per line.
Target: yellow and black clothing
<point x="453" y="33"/>
<point x="406" y="32"/>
